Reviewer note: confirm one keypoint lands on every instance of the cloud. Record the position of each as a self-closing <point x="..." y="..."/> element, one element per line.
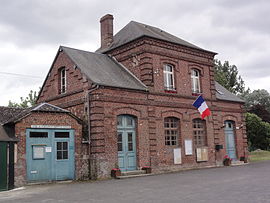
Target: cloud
<point x="32" y="30"/>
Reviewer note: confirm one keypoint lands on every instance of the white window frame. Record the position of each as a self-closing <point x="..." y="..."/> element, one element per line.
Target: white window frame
<point x="195" y="77"/>
<point x="168" y="84"/>
<point x="63" y="81"/>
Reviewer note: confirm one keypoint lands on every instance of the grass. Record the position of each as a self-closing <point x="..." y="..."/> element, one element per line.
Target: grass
<point x="259" y="155"/>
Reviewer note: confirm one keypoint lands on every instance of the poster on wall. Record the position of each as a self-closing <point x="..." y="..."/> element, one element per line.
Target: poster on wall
<point x="38" y="152"/>
<point x="177" y="156"/>
<point x="188" y="147"/>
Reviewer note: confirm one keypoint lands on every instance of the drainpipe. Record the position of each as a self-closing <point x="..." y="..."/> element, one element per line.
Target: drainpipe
<point x="89" y="124"/>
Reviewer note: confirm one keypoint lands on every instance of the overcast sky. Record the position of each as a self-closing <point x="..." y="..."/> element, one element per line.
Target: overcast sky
<point x="32" y="30"/>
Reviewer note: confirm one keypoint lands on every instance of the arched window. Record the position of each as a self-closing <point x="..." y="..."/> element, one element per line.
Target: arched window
<point x="195" y="81"/>
<point x="171" y="130"/>
<point x="199" y="133"/>
<point x="62" y="80"/>
<point x="168" y="72"/>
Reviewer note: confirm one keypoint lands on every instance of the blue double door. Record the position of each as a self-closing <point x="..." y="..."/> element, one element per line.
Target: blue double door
<point x="126" y="143"/>
<point x="49" y="154"/>
<point x="230" y="139"/>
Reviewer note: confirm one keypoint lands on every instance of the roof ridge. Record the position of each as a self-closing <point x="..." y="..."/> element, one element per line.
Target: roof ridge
<point x="38" y="106"/>
<point x="61" y="46"/>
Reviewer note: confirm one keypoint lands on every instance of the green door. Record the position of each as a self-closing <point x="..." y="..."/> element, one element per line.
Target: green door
<point x="3" y="166"/>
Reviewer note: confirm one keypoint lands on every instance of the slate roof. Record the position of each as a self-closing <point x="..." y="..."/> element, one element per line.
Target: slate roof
<point x="6" y="113"/>
<point x="103" y="70"/>
<point x="134" y="30"/>
<point x="8" y="116"/>
<point x="223" y="94"/>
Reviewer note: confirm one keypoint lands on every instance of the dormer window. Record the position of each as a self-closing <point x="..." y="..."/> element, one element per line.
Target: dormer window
<point x="169" y="77"/>
<point x="195" y="81"/>
<point x="63" y="81"/>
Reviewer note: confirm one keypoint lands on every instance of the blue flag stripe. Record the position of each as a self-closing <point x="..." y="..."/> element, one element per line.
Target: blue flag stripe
<point x="198" y="102"/>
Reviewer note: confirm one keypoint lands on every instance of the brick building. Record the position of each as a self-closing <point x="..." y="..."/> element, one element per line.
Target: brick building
<point x="135" y="93"/>
<point x="130" y="104"/>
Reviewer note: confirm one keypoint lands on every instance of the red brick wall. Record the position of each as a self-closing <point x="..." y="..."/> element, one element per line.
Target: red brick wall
<point x="77" y="84"/>
<point x="146" y="57"/>
<point x="60" y="119"/>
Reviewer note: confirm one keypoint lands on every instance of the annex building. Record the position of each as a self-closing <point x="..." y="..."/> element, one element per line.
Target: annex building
<point x="128" y="105"/>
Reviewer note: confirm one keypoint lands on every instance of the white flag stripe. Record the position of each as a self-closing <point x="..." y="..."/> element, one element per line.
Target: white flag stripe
<point x="203" y="107"/>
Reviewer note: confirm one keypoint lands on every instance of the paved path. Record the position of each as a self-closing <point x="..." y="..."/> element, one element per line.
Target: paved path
<point x="248" y="183"/>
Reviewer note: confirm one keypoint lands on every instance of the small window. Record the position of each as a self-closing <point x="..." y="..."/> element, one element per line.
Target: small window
<point x="62" y="150"/>
<point x="38" y="134"/>
<point x="130" y="142"/>
<point x="120" y="142"/>
<point x="168" y="77"/>
<point x="63" y="81"/>
<point x="61" y="135"/>
<point x="195" y="81"/>
<point x="171" y="127"/>
<point x="199" y="133"/>
<point x="38" y="152"/>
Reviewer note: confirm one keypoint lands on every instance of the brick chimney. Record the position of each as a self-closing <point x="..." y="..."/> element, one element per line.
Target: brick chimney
<point x="106" y="30"/>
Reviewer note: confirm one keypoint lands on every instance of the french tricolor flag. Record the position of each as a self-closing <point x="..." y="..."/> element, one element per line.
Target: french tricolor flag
<point x="202" y="107"/>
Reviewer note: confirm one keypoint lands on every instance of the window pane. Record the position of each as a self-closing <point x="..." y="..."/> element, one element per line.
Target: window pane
<point x="59" y="155"/>
<point x="129" y="121"/>
<point x="119" y="120"/>
<point x="38" y="134"/>
<point x="130" y="147"/>
<point x="170" y="81"/>
<point x="65" y="154"/>
<point x="65" y="145"/>
<point x="61" y="135"/>
<point x="59" y="146"/>
<point x="165" y="79"/>
<point x="130" y="142"/>
<point x="119" y="144"/>
<point x="130" y="137"/>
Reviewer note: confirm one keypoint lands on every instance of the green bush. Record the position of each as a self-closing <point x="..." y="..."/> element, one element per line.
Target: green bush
<point x="258" y="132"/>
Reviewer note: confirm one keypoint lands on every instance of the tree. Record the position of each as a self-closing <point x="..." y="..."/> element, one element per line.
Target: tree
<point x="227" y="76"/>
<point x="260" y="96"/>
<point x="258" y="132"/>
<point x="30" y="100"/>
<point x="260" y="111"/>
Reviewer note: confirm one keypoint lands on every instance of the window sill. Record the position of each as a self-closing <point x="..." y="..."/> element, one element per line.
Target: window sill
<point x="196" y="94"/>
<point x="170" y="91"/>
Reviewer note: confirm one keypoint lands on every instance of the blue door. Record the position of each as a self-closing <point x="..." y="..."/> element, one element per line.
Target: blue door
<point x="64" y="154"/>
<point x="49" y="154"/>
<point x="126" y="143"/>
<point x="230" y="139"/>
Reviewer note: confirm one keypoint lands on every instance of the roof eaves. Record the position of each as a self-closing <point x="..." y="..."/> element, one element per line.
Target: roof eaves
<point x="111" y="49"/>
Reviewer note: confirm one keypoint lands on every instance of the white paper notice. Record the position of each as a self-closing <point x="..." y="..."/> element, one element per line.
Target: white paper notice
<point x="48" y="149"/>
<point x="177" y="156"/>
<point x="188" y="147"/>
